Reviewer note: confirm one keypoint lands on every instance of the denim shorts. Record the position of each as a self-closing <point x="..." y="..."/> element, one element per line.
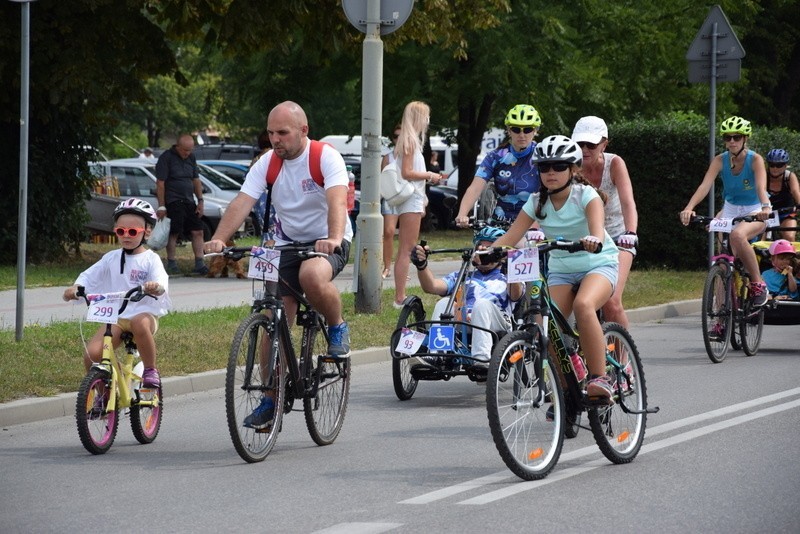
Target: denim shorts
<point x="610" y="272"/>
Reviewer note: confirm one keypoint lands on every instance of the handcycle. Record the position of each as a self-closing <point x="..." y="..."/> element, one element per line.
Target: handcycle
<point x="729" y="317"/>
<point x="535" y="397"/>
<point x="253" y="370"/>
<point x="445" y="354"/>
<point x="113" y="385"/>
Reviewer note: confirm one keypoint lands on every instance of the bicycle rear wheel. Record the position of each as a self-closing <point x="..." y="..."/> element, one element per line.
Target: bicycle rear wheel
<point x="404" y="384"/>
<point x="520" y="387"/>
<point x="251" y="375"/>
<point x="146" y="418"/>
<point x="619" y="428"/>
<point x="751" y="325"/>
<point x="97" y="427"/>
<point x="716" y="313"/>
<point x="325" y="410"/>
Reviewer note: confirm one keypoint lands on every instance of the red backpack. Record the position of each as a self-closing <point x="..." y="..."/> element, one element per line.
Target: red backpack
<point x="314" y="164"/>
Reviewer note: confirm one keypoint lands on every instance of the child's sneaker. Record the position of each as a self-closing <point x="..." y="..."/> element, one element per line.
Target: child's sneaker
<point x="151" y="378"/>
<point x="262" y="415"/>
<point x="600" y="387"/>
<point x="339" y="340"/>
<point x="759" y="293"/>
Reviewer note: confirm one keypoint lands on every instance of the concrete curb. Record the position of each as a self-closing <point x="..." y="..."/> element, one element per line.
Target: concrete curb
<point x="34" y="409"/>
<point x="37" y="409"/>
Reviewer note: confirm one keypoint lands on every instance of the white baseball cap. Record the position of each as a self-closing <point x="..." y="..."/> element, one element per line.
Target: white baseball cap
<point x="590" y="129"/>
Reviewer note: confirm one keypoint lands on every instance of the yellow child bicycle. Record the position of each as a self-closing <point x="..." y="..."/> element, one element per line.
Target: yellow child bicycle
<point x="113" y="384"/>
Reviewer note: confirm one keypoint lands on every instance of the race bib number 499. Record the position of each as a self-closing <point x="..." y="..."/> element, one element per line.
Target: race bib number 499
<point x="264" y="263"/>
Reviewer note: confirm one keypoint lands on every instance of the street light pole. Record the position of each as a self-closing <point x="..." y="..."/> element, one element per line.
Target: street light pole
<point x="24" y="90"/>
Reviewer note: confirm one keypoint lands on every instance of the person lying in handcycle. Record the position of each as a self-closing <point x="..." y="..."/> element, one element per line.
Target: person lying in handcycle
<point x="488" y="299"/>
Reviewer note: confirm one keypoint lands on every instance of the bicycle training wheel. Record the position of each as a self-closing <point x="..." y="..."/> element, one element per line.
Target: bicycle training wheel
<point x="521" y="387"/>
<point x="751" y="325"/>
<point x="146" y="415"/>
<point x="329" y="381"/>
<point x="404" y="384"/>
<point x="619" y="428"/>
<point x="253" y="377"/>
<point x="97" y="427"/>
<point x="716" y="314"/>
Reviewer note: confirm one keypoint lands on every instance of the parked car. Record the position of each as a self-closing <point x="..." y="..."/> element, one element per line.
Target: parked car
<point x="226" y="151"/>
<point x="136" y="178"/>
<point x="235" y="170"/>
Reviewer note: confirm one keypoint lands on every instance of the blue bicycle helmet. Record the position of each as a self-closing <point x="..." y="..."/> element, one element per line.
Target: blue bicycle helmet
<point x="777" y="155"/>
<point x="488" y="233"/>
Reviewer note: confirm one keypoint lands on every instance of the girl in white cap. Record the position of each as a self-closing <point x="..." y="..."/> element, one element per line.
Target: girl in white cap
<point x="608" y="173"/>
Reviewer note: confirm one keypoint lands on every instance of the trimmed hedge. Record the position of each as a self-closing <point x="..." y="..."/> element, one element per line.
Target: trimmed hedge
<point x="667" y="159"/>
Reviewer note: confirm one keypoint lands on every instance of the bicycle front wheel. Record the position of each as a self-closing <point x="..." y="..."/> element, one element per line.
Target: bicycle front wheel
<point x="328" y="380"/>
<point x="521" y="388"/>
<point x="619" y="428"/>
<point x="716" y="313"/>
<point x="146" y="415"/>
<point x="252" y="377"/>
<point x="97" y="426"/>
<point x="751" y="325"/>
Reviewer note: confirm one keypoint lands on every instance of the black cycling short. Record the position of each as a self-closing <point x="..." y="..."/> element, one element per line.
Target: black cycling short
<point x="290" y="267"/>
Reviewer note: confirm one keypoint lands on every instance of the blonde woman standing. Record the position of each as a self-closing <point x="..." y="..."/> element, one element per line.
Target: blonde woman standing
<point x="411" y="165"/>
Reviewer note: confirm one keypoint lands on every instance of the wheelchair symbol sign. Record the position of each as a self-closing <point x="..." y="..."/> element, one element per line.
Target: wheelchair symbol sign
<point x="441" y="337"/>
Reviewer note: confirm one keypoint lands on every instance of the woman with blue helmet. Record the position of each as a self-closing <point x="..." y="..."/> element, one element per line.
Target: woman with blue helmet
<point x="783" y="189"/>
<point x="515" y="176"/>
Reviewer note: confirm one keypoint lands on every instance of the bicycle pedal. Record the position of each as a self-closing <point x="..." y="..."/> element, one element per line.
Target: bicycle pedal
<point x="599" y="401"/>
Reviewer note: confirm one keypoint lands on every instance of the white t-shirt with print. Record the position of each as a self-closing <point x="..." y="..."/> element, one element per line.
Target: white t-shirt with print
<point x="301" y="208"/>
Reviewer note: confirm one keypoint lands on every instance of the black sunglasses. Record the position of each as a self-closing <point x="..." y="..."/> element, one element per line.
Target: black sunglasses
<point x="517" y="129"/>
<point x="773" y="165"/>
<point x="734" y="137"/>
<point x="547" y="166"/>
<point x="587" y="144"/>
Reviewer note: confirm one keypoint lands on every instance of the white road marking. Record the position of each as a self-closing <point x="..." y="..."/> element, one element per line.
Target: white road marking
<point x="359" y="528"/>
<point x="502" y="476"/>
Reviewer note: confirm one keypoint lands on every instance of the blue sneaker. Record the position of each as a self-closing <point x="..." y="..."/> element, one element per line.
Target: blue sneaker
<point x="339" y="340"/>
<point x="261" y="416"/>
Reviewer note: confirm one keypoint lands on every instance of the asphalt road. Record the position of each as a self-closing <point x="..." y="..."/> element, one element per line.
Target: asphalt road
<point x="720" y="456"/>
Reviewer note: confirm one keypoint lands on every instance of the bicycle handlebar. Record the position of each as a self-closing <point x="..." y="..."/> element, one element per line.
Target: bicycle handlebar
<point x="705" y="219"/>
<point x="135" y="294"/>
<point x="305" y="251"/>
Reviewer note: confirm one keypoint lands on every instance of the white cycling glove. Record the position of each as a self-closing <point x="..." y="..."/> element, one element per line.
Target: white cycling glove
<point x="628" y="240"/>
<point x="534" y="235"/>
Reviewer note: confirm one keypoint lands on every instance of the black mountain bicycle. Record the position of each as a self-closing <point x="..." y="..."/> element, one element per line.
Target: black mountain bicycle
<point x="263" y="362"/>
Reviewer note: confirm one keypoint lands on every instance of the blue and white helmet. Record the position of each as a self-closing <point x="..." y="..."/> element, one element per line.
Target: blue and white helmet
<point x="488" y="233"/>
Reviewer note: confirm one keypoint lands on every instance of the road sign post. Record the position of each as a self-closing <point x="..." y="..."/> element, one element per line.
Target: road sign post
<point x="715" y="54"/>
<point x="374" y="18"/>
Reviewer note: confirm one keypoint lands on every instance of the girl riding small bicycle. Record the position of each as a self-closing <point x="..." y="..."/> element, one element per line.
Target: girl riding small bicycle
<point x="119" y="271"/>
<point x="567" y="207"/>
<point x="744" y="188"/>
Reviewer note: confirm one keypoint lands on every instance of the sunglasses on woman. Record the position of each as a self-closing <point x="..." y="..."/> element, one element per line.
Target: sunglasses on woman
<point x="734" y="137"/>
<point x="517" y="129"/>
<point x="559" y="166"/>
<point x="587" y="144"/>
<point x="132" y="232"/>
<point x="776" y="165"/>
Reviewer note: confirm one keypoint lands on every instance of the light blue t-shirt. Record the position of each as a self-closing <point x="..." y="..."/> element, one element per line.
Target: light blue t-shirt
<point x="569" y="223"/>
<point x="776" y="284"/>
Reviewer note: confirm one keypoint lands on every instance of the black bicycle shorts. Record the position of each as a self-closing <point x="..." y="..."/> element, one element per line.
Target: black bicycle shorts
<point x="290" y="267"/>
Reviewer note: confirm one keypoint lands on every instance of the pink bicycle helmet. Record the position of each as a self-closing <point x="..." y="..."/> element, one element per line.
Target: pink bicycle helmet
<point x="781" y="246"/>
